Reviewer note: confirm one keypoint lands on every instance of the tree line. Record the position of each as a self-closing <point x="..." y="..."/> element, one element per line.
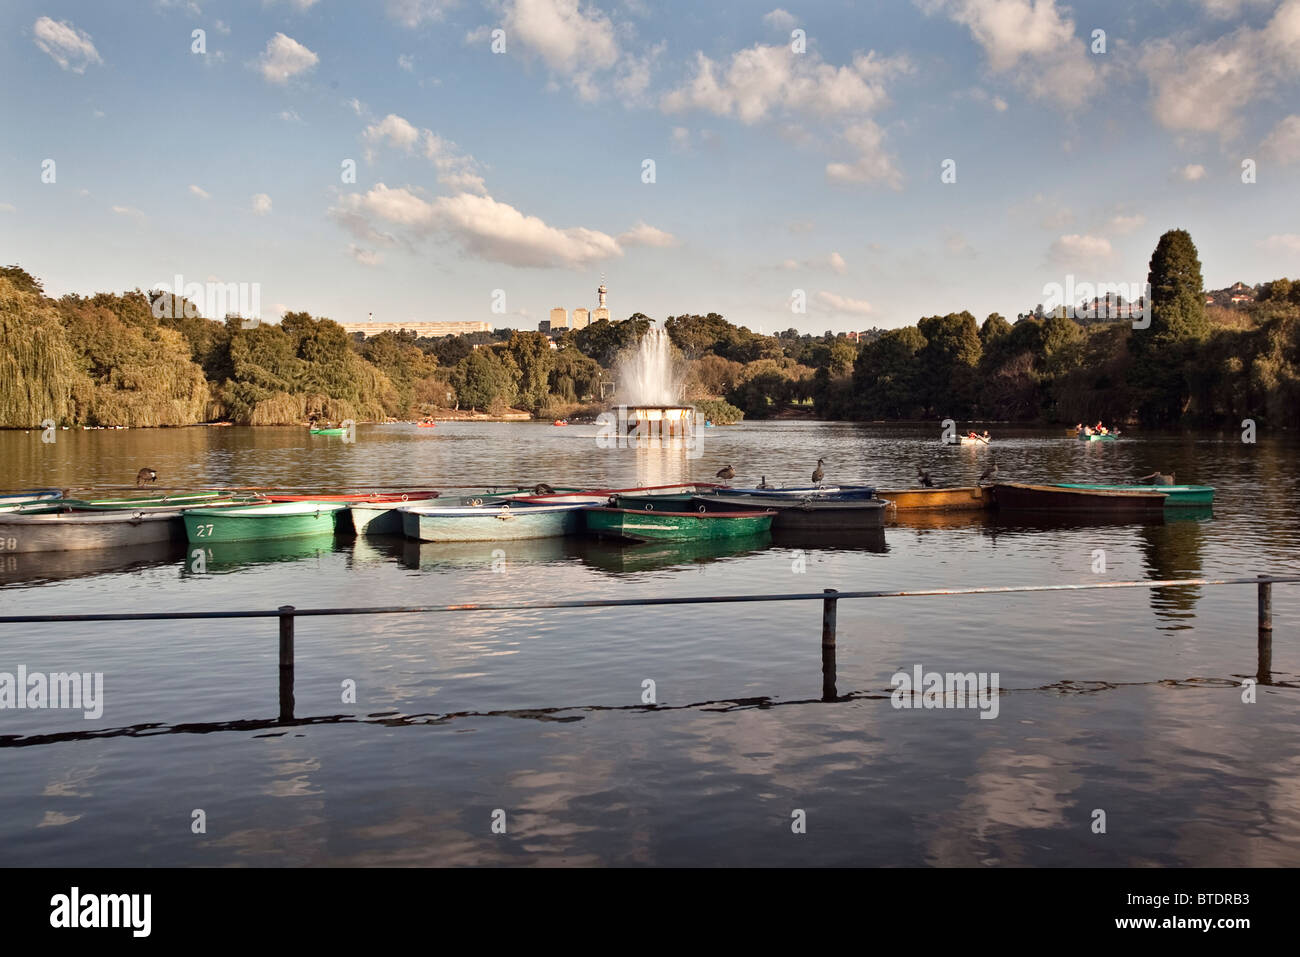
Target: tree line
<point x="119" y="359"/>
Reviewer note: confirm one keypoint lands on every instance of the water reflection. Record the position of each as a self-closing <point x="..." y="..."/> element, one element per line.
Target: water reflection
<point x="1174" y="550"/>
<point x="655" y="556"/>
<point x="35" y="568"/>
<point x="226" y="557"/>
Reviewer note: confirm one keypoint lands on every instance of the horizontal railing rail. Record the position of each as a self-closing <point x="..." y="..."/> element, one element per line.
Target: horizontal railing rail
<point x="829" y="597"/>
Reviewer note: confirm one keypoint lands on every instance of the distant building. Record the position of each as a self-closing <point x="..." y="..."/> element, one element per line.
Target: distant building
<point x="544" y="326"/>
<point x="581" y="318"/>
<point x="601" y="311"/>
<point x="559" y="318"/>
<point x="429" y="330"/>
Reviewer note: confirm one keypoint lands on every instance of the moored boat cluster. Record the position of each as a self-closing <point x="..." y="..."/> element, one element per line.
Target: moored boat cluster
<point x="40" y="520"/>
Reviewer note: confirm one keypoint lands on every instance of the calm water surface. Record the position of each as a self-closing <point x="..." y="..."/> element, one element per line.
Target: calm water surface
<point x="1127" y="701"/>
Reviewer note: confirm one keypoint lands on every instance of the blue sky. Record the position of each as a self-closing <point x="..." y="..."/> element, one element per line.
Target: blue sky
<point x="776" y="168"/>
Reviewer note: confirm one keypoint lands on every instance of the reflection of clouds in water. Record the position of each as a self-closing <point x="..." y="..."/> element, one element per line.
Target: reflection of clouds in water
<point x="58" y="819"/>
<point x="71" y="782"/>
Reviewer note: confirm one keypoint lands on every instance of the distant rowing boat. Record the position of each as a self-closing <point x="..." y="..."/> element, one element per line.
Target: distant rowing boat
<point x="329" y="431"/>
<point x="1098" y="436"/>
<point x="382" y="518"/>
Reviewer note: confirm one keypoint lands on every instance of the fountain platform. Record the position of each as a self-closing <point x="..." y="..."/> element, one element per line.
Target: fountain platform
<point x="666" y="419"/>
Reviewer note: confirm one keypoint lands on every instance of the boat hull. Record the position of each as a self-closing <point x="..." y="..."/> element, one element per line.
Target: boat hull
<point x="1108" y="437"/>
<point x="804" y="515"/>
<point x="492" y="523"/>
<point x="376" y="518"/>
<point x="1179" y="495"/>
<point x="261" y="522"/>
<point x="972" y="497"/>
<point x="29" y="496"/>
<point x="1054" y="498"/>
<point x="967" y="440"/>
<point x="639" y="525"/>
<point x="75" y="531"/>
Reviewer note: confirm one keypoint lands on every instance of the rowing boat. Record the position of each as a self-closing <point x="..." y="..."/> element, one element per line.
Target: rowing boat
<point x="382" y="518"/>
<point x="160" y="502"/>
<point x="349" y="497"/>
<point x="65" y="530"/>
<point x="1098" y="437"/>
<point x="974" y="440"/>
<point x="639" y="525"/>
<point x="1178" y="495"/>
<point x="963" y="497"/>
<point x="246" y="523"/>
<point x="27" y="496"/>
<point x="329" y="431"/>
<point x="492" y="521"/>
<point x="1059" y="499"/>
<point x="804" y="514"/>
<point x="806" y="491"/>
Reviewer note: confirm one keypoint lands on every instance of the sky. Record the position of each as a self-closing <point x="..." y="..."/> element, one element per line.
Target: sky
<point x="835" y="165"/>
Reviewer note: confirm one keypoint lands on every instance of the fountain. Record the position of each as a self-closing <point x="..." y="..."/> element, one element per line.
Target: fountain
<point x="651" y="388"/>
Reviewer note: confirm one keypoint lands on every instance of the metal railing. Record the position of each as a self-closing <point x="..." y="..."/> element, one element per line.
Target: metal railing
<point x="829" y="597"/>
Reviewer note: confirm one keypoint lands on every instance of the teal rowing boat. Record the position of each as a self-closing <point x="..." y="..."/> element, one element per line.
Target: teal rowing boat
<point x="329" y="431"/>
<point x="641" y="525"/>
<point x="255" y="522"/>
<point x="1179" y="495"/>
<point x="1098" y="437"/>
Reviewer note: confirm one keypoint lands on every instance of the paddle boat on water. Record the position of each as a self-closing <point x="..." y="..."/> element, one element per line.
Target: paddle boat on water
<point x="971" y="438"/>
<point x="1175" y="495"/>
<point x="641" y="525"/>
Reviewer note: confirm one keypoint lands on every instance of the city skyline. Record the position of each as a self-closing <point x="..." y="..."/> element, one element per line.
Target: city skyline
<point x="875" y="165"/>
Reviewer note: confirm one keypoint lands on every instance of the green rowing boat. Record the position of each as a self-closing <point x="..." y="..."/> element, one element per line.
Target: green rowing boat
<point x="256" y="522"/>
<point x="329" y="431"/>
<point x="1179" y="495"/>
<point x="640" y="525"/>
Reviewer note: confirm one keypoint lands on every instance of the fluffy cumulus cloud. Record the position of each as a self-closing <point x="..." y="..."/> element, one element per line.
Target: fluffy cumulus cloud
<point x="871" y="162"/>
<point x="764" y="80"/>
<point x="284" y="58"/>
<point x="456" y="169"/>
<point x="1122" y="225"/>
<point x="480" y="226"/>
<point x="644" y="235"/>
<point x="780" y="19"/>
<point x="200" y="192"/>
<point x="1075" y="249"/>
<point x="843" y="304"/>
<point x="1033" y="42"/>
<point x="1208" y="87"/>
<point x="70" y="48"/>
<point x="261" y="204"/>
<point x="1190" y="173"/>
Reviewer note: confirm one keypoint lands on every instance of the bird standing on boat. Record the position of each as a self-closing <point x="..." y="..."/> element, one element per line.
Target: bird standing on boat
<point x="726" y="473"/>
<point x="1157" y="478"/>
<point x="541" y="488"/>
<point x="819" y="474"/>
<point x="924" y="477"/>
<point x="762" y="481"/>
<point x="145" y="477"/>
<point x="991" y="472"/>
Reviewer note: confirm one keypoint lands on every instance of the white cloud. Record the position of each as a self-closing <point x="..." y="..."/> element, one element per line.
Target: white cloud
<point x="644" y="235"/>
<point x="8" y="208"/>
<point x="1033" y="42"/>
<point x="1282" y="145"/>
<point x="290" y="116"/>
<point x="681" y="139"/>
<point x="356" y="106"/>
<point x="837" y="303"/>
<point x="872" y="164"/>
<point x="1122" y="225"/>
<point x="70" y="48"/>
<point x="200" y="192"/>
<point x="768" y="79"/>
<point x="1076" y="249"/>
<point x="406" y="62"/>
<point x="412" y="13"/>
<point x="780" y="19"/>
<point x="1190" y="173"/>
<point x="130" y="211"/>
<point x="285" y="58"/>
<point x="481" y="226"/>
<point x="837" y="263"/>
<point x="1208" y="87"/>
<point x="1283" y="243"/>
<point x="367" y="257"/>
<point x="394" y="130"/>
<point x="456" y="170"/>
<point x="261" y="204"/>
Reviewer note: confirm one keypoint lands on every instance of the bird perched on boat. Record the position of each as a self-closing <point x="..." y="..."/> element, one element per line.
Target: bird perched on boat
<point x="819" y="474"/>
<point x="991" y="472"/>
<point x="924" y="477"/>
<point x="1157" y="478"/>
<point x="145" y="477"/>
<point x="726" y="473"/>
<point x="541" y="488"/>
<point x="762" y="481"/>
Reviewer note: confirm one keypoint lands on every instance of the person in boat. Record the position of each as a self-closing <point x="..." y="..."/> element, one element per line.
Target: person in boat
<point x="986" y="437"/>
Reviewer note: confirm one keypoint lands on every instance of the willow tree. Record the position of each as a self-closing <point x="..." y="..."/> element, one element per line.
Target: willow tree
<point x="38" y="369"/>
<point x="1162" y="352"/>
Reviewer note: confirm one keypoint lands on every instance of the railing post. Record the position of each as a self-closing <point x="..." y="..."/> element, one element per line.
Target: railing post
<point x="286" y="662"/>
<point x="828" y="644"/>
<point x="1265" y="605"/>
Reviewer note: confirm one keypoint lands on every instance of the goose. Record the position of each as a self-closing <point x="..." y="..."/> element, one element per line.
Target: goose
<point x="726" y="473"/>
<point x="990" y="472"/>
<point x="541" y="488"/>
<point x="924" y="476"/>
<point x="820" y="474"/>
<point x="1157" y="478"/>
<point x="145" y="476"/>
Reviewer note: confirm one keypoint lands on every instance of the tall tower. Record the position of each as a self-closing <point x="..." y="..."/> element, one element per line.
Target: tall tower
<point x="601" y="311"/>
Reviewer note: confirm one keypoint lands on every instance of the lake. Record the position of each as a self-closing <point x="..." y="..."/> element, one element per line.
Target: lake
<point x="1127" y="701"/>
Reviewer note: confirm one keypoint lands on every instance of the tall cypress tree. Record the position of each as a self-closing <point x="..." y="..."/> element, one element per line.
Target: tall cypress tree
<point x="1162" y="352"/>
